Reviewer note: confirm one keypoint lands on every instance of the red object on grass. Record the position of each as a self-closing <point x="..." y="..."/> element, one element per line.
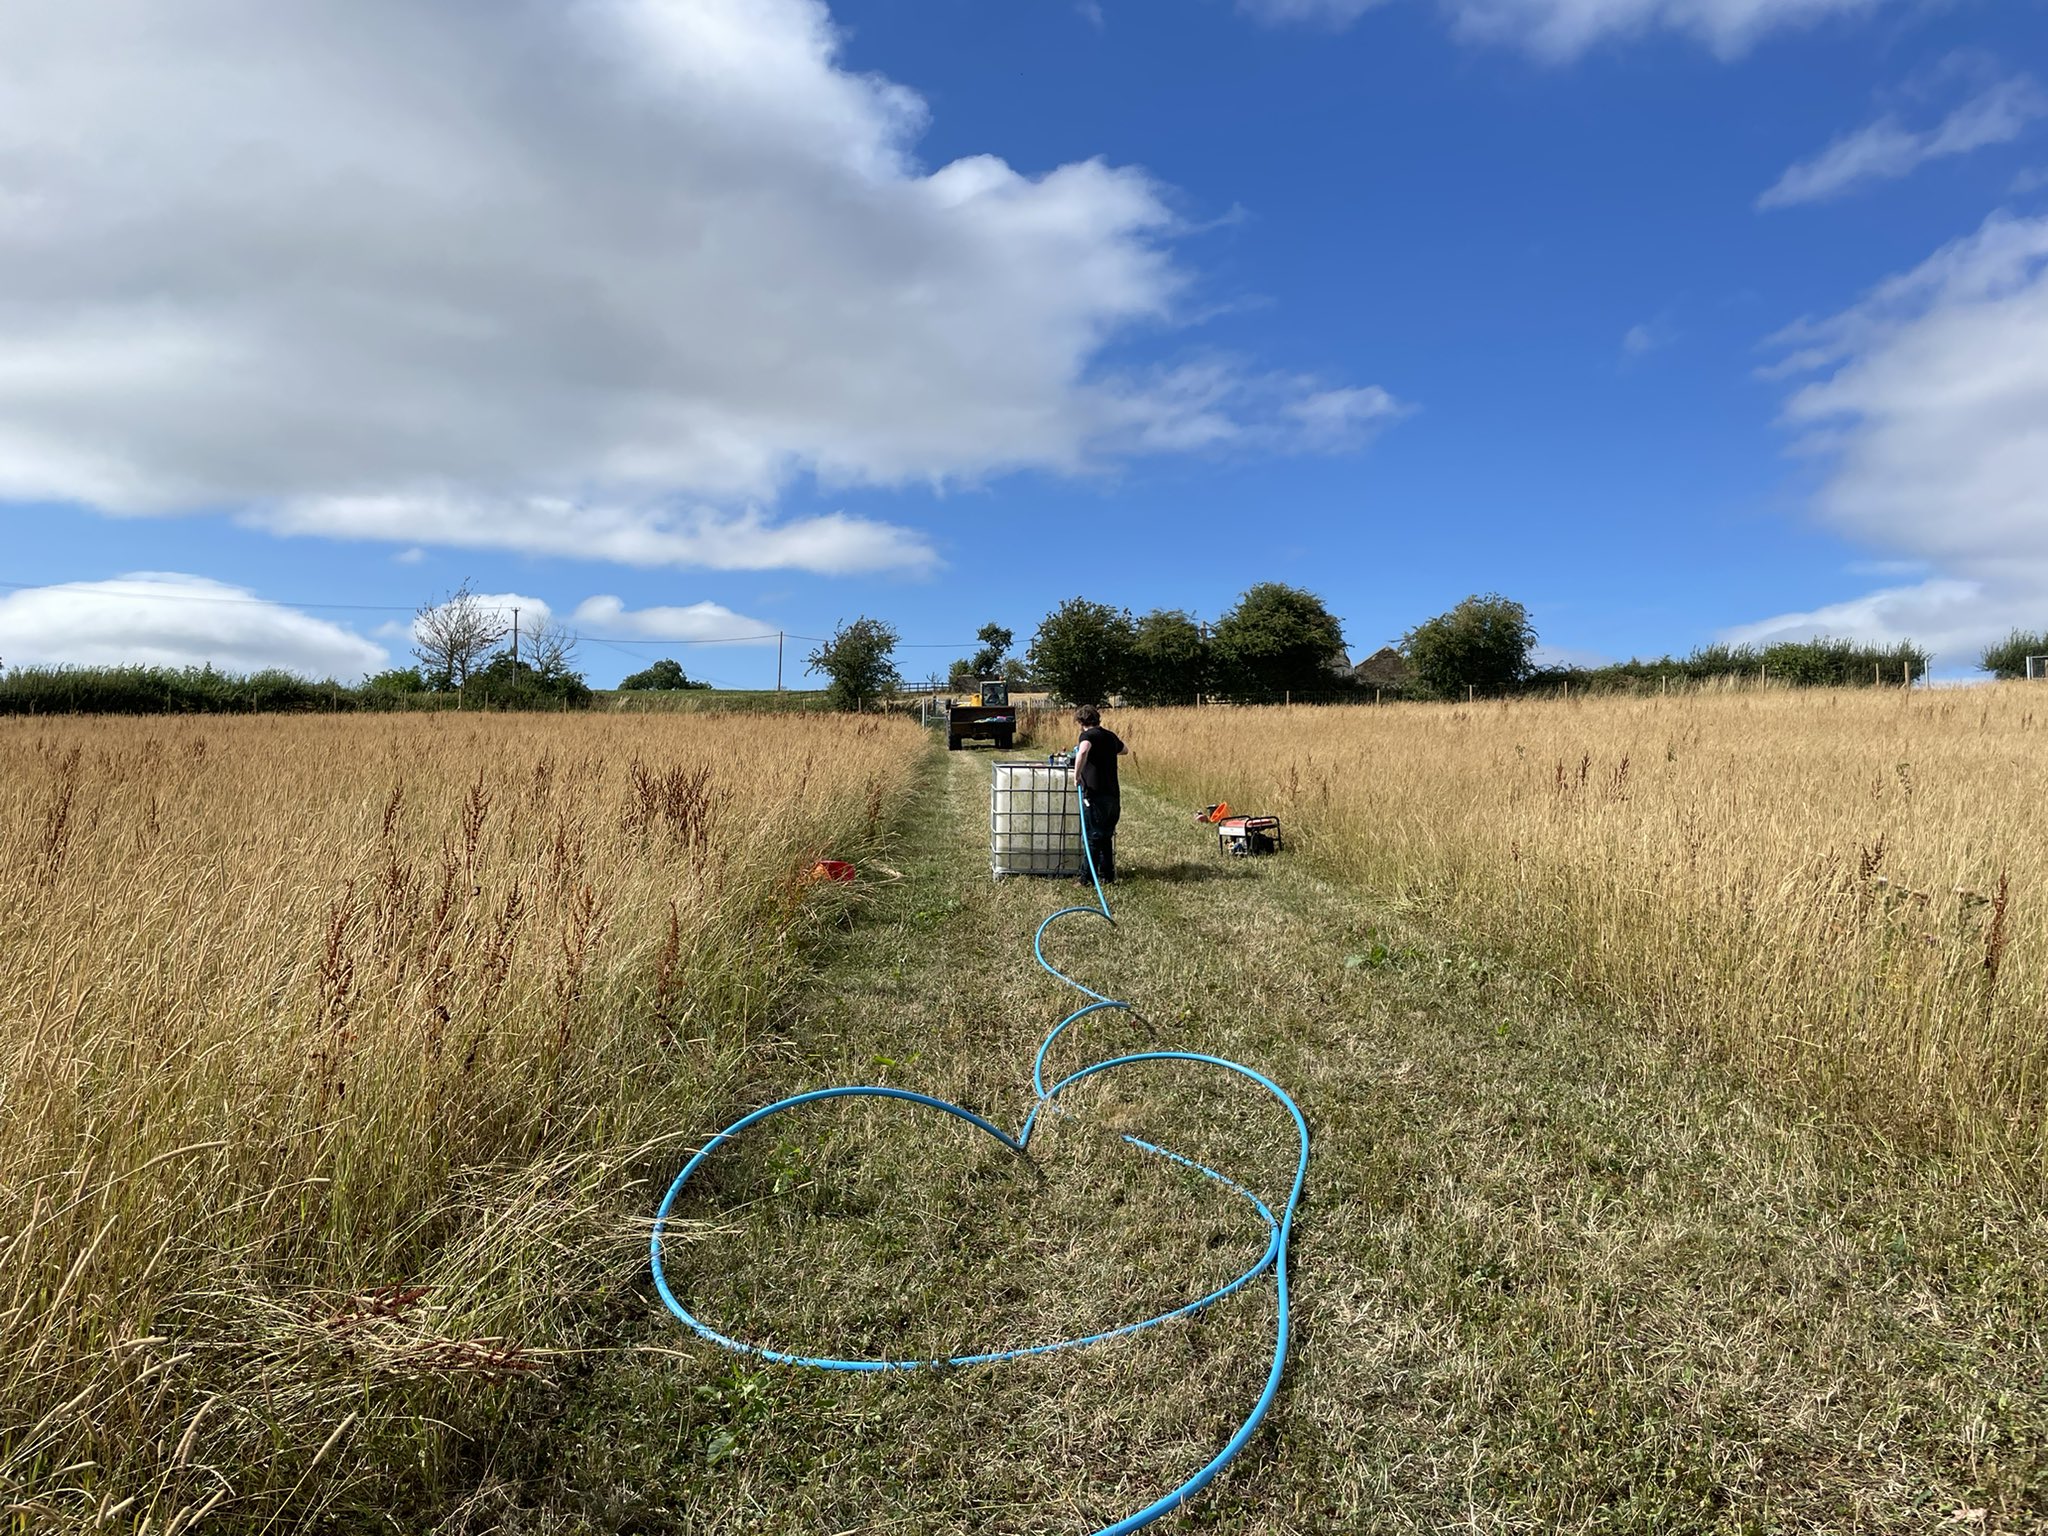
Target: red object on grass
<point x="833" y="869"/>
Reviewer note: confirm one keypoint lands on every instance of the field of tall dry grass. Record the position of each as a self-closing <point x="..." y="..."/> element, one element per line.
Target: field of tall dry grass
<point x="329" y="1046"/>
<point x="1845" y="892"/>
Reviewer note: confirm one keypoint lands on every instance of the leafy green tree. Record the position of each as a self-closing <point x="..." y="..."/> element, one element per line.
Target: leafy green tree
<point x="995" y="645"/>
<point x="506" y="683"/>
<point x="1082" y="651"/>
<point x="1823" y="662"/>
<point x="399" y="682"/>
<point x="859" y="660"/>
<point x="1278" y="642"/>
<point x="1483" y="643"/>
<point x="664" y="676"/>
<point x="2008" y="658"/>
<point x="1169" y="659"/>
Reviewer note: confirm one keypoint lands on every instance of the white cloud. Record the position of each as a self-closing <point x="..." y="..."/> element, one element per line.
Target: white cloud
<point x="544" y="276"/>
<point x="1563" y="29"/>
<point x="1333" y="13"/>
<point x="154" y="618"/>
<point x="532" y="610"/>
<point x="1951" y="618"/>
<point x="1331" y="419"/>
<point x="1215" y="404"/>
<point x="687" y="622"/>
<point x="1885" y="150"/>
<point x="1639" y="341"/>
<point x="502" y="606"/>
<point x="1926" y="406"/>
<point x="749" y="540"/>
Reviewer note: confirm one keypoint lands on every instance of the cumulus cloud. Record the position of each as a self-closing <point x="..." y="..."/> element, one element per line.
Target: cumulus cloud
<point x="1886" y="150"/>
<point x="748" y="540"/>
<point x="550" y="276"/>
<point x="685" y="622"/>
<point x="1951" y="618"/>
<point x="166" y="619"/>
<point x="1924" y="404"/>
<point x="499" y="607"/>
<point x="1563" y="29"/>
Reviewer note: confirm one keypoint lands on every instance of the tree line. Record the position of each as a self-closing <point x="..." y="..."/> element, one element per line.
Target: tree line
<point x="1276" y="643"/>
<point x="1279" y="643"/>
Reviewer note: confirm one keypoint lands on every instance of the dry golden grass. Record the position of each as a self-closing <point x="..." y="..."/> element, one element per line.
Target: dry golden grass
<point x="328" y="1048"/>
<point x="1843" y="891"/>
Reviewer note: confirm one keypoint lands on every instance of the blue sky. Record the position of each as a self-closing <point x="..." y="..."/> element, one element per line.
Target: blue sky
<point x="1675" y="319"/>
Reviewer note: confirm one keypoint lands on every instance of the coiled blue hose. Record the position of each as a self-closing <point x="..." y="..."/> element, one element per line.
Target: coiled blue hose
<point x="1279" y="1231"/>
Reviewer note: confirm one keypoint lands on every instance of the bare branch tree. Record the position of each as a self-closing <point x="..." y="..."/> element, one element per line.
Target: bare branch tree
<point x="551" y="647"/>
<point x="453" y="638"/>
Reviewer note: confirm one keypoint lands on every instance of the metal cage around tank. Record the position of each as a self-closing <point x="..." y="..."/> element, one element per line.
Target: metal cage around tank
<point x="1034" y="820"/>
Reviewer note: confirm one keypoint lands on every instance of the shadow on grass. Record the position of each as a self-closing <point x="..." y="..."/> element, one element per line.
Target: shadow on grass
<point x="1192" y="871"/>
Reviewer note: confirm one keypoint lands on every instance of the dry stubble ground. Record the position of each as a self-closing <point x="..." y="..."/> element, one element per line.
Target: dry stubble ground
<point x="1550" y="1275"/>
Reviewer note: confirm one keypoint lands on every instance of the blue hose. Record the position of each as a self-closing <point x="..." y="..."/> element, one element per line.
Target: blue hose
<point x="1279" y="1231"/>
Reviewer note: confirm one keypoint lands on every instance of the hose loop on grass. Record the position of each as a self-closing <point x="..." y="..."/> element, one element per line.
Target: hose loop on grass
<point x="1279" y="1230"/>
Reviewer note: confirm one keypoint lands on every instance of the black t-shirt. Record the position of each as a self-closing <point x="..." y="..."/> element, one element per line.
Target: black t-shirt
<point x="1098" y="773"/>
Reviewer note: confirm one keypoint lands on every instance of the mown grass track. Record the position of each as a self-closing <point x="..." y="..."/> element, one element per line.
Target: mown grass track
<point x="1550" y="1275"/>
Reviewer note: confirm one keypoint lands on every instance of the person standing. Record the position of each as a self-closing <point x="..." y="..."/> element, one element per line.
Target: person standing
<point x="1095" y="771"/>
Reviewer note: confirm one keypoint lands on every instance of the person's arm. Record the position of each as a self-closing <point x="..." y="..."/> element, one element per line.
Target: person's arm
<point x="1080" y="757"/>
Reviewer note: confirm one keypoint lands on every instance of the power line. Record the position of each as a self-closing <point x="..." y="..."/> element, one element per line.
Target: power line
<point x="679" y="640"/>
<point x="630" y="656"/>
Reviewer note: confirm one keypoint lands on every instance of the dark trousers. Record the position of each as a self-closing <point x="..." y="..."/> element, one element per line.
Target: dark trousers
<point x="1102" y="812"/>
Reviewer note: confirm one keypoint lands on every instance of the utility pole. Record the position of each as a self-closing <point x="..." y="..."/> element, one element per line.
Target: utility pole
<point x="778" y="661"/>
<point x="515" y="642"/>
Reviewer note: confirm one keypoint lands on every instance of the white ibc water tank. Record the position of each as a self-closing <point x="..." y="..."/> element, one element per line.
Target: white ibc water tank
<point x="1034" y="821"/>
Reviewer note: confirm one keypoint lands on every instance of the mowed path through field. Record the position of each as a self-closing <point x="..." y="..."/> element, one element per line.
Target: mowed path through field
<point x="1549" y="1275"/>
